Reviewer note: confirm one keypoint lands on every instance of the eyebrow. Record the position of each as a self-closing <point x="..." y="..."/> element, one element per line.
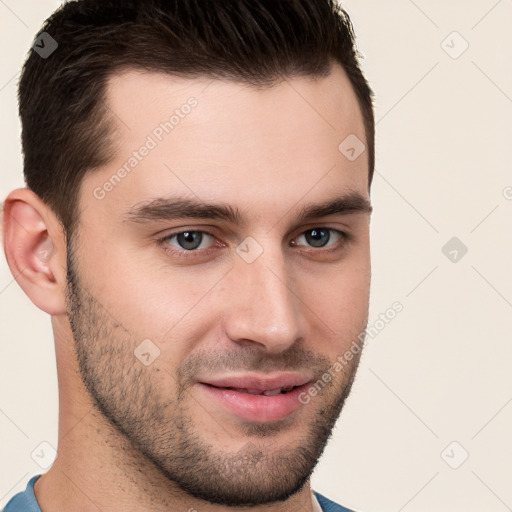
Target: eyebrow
<point x="174" y="208"/>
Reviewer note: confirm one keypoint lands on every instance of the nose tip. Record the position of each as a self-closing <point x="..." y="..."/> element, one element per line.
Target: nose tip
<point x="275" y="339"/>
<point x="265" y="311"/>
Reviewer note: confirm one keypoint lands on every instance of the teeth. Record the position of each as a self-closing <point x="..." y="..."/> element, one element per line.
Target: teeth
<point x="250" y="391"/>
<point x="272" y="392"/>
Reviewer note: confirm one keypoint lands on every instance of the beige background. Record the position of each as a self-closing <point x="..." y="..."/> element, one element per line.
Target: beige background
<point x="440" y="371"/>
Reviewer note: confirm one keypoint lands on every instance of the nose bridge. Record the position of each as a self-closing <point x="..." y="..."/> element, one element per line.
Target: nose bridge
<point x="264" y="309"/>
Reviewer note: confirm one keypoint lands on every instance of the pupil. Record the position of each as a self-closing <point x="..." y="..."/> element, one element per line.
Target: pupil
<point x="190" y="239"/>
<point x="317" y="237"/>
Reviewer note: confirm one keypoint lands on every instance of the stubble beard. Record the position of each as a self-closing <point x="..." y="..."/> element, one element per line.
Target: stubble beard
<point x="161" y="430"/>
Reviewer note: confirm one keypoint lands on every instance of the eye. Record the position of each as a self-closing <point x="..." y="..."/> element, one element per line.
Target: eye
<point x="189" y="240"/>
<point x="320" y="237"/>
<point x="199" y="243"/>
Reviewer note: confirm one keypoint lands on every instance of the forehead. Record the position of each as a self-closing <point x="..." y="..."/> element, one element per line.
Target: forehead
<point x="138" y="99"/>
<point x="218" y="139"/>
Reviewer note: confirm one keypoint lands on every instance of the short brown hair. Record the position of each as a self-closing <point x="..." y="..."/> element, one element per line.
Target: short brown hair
<point x="66" y="127"/>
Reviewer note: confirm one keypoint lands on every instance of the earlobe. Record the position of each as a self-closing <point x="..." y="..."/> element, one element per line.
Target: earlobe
<point x="35" y="250"/>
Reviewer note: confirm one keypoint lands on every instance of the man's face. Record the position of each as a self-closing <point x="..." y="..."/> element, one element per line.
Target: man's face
<point x="189" y="321"/>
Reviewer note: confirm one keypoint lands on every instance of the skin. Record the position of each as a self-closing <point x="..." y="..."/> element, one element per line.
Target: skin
<point x="122" y="425"/>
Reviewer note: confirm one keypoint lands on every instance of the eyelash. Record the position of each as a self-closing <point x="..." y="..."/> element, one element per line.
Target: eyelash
<point x="194" y="253"/>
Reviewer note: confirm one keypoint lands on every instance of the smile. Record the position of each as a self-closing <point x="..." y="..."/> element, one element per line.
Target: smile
<point x="256" y="398"/>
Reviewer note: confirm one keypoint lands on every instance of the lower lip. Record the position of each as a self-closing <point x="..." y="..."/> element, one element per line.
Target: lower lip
<point x="257" y="408"/>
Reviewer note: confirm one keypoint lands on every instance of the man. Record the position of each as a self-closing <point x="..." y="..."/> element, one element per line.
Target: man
<point x="196" y="223"/>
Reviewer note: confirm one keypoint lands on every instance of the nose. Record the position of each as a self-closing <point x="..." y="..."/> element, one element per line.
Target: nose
<point x="264" y="306"/>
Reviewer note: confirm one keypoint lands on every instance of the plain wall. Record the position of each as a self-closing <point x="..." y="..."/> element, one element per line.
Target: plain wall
<point x="435" y="382"/>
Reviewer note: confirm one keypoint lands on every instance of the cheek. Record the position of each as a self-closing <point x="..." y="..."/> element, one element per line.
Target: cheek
<point x="166" y="318"/>
<point x="149" y="298"/>
<point x="337" y="303"/>
<point x="342" y="304"/>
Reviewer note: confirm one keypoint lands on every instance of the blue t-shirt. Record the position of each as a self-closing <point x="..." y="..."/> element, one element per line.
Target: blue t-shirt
<point x="26" y="501"/>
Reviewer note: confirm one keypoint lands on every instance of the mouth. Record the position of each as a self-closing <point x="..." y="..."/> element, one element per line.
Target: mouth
<point x="267" y="392"/>
<point x="259" y="399"/>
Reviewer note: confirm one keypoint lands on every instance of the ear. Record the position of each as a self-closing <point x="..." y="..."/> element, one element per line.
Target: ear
<point x="35" y="249"/>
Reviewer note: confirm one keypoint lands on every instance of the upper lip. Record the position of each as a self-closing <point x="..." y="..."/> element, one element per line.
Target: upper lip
<point x="259" y="382"/>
